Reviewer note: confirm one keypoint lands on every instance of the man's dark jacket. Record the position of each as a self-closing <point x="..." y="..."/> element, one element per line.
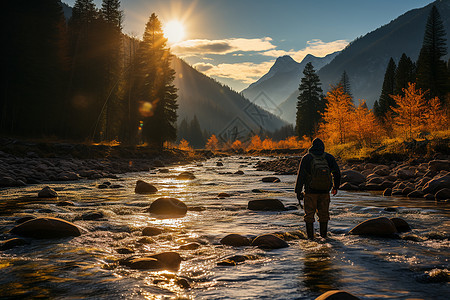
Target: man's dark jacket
<point x="317" y="148"/>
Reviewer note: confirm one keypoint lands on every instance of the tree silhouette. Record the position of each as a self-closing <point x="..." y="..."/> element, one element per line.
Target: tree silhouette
<point x="431" y="69"/>
<point x="385" y="102"/>
<point x="310" y="102"/>
<point x="345" y="82"/>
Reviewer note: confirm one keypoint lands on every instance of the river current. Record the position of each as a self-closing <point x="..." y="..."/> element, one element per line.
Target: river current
<point x="409" y="267"/>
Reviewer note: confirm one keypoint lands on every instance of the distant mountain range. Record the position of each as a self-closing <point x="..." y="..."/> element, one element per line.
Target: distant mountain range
<point x="364" y="60"/>
<point x="219" y="109"/>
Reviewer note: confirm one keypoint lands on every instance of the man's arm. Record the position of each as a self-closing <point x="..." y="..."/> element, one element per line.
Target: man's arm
<point x="335" y="171"/>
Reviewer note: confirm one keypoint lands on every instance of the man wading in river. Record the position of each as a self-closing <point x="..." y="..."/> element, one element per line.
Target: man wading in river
<point x="318" y="173"/>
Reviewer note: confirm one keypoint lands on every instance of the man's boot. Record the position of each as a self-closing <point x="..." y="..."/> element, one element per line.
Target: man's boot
<point x="323" y="229"/>
<point x="310" y="230"/>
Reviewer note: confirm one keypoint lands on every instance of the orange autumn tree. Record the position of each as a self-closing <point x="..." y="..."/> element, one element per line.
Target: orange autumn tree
<point x="184" y="145"/>
<point x="255" y="143"/>
<point x="436" y="116"/>
<point x="410" y="111"/>
<point x="237" y="144"/>
<point x="212" y="143"/>
<point x="337" y="115"/>
<point x="364" y="125"/>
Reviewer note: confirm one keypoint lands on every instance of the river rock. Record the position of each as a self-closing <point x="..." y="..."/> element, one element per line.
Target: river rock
<point x="439" y="165"/>
<point x="352" y="176"/>
<point x="124" y="250"/>
<point x="164" y="171"/>
<point x="381" y="226"/>
<point x="65" y="203"/>
<point x="219" y="164"/>
<point x="429" y="197"/>
<point x="436" y="184"/>
<point x="270" y="179"/>
<point x="266" y="205"/>
<point x="145" y="263"/>
<point x="387" y="192"/>
<point x="190" y="246"/>
<point x="143" y="187"/>
<point x="337" y="295"/>
<point x="11" y="243"/>
<point x="151" y="231"/>
<point x="46" y="227"/>
<point x="239" y="172"/>
<point x="443" y="194"/>
<point x="406" y="173"/>
<point x="24" y="219"/>
<point x="47" y="192"/>
<point x="235" y="240"/>
<point x="269" y="241"/>
<point x="347" y="186"/>
<point x="416" y="194"/>
<point x="226" y="263"/>
<point x="223" y="195"/>
<point x="169" y="260"/>
<point x="92" y="215"/>
<point x="186" y="176"/>
<point x="401" y="225"/>
<point x="168" y="207"/>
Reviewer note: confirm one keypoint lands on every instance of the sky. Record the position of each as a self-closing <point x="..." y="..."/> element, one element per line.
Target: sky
<point x="237" y="41"/>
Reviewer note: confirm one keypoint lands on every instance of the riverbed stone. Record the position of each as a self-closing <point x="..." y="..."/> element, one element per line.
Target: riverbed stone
<point x="169" y="260"/>
<point x="381" y="226"/>
<point x="223" y="195"/>
<point x="401" y="225"/>
<point x="270" y="179"/>
<point x="151" y="231"/>
<point x="47" y="192"/>
<point x="168" y="207"/>
<point x="186" y="176"/>
<point x="439" y="165"/>
<point x="239" y="172"/>
<point x="46" y="227"/>
<point x="235" y="240"/>
<point x="65" y="203"/>
<point x="190" y="246"/>
<point x="347" y="186"/>
<point x="269" y="241"/>
<point x="266" y="205"/>
<point x="92" y="215"/>
<point x="337" y="295"/>
<point x="352" y="176"/>
<point x="443" y="194"/>
<point x="219" y="164"/>
<point x="416" y="194"/>
<point x="143" y="187"/>
<point x="11" y="243"/>
<point x="24" y="219"/>
<point x="387" y="192"/>
<point x="436" y="184"/>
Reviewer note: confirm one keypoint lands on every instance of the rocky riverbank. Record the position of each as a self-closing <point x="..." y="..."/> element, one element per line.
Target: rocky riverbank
<point x="415" y="178"/>
<point x="23" y="162"/>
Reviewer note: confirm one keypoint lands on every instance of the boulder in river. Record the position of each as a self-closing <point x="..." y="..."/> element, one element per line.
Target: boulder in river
<point x="387" y="192"/>
<point x="165" y="260"/>
<point x="186" y="176"/>
<point x="168" y="207"/>
<point x="46" y="227"/>
<point x="92" y="215"/>
<point x="235" y="240"/>
<point x="266" y="205"/>
<point x="337" y="295"/>
<point x="223" y="195"/>
<point x="239" y="172"/>
<point x="381" y="226"/>
<point x="439" y="165"/>
<point x="443" y="194"/>
<point x="401" y="225"/>
<point x="143" y="187"/>
<point x="436" y="184"/>
<point x="269" y="241"/>
<point x="47" y="192"/>
<point x="270" y="179"/>
<point x="190" y="246"/>
<point x="347" y="186"/>
<point x="151" y="231"/>
<point x="352" y="176"/>
<point x="11" y="243"/>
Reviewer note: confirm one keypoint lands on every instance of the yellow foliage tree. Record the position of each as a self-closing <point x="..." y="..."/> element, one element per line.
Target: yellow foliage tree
<point x="337" y="115"/>
<point x="410" y="111"/>
<point x="436" y="117"/>
<point x="237" y="144"/>
<point x="268" y="144"/>
<point x="212" y="143"/>
<point x="255" y="143"/>
<point x="184" y="145"/>
<point x="364" y="125"/>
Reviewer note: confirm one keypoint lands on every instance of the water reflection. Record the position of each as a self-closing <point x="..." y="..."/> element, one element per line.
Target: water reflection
<point x="319" y="273"/>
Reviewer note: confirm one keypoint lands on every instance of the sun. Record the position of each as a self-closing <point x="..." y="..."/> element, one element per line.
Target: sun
<point x="174" y="31"/>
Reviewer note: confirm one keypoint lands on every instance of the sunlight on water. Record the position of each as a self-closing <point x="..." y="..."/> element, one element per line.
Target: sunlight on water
<point x="87" y="266"/>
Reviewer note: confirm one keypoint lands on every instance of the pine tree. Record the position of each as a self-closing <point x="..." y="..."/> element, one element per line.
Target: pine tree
<point x="310" y="103"/>
<point x="431" y="73"/>
<point x="196" y="134"/>
<point x="345" y="82"/>
<point x="404" y="74"/>
<point x="156" y="95"/>
<point x="385" y="101"/>
<point x="112" y="17"/>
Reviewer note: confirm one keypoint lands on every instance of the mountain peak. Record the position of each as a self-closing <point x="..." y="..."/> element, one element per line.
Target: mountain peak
<point x="284" y="63"/>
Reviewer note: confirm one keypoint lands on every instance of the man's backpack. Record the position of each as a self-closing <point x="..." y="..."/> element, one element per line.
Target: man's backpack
<point x="320" y="177"/>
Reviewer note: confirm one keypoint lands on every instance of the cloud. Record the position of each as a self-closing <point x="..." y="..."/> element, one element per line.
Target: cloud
<point x="314" y="47"/>
<point x="245" y="72"/>
<point x="225" y="46"/>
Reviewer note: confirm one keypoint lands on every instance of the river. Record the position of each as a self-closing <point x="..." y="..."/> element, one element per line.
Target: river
<point x="409" y="267"/>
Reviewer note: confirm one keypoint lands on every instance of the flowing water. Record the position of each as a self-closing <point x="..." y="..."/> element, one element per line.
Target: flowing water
<point x="410" y="267"/>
